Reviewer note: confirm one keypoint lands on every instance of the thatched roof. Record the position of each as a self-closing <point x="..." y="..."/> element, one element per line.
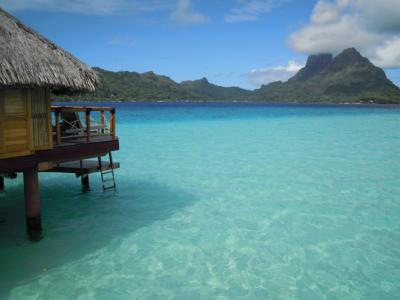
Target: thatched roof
<point x="27" y="59"/>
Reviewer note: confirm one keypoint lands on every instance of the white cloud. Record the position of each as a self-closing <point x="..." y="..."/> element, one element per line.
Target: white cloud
<point x="372" y="26"/>
<point x="262" y="76"/>
<point x="381" y="15"/>
<point x="250" y="10"/>
<point x="184" y="15"/>
<point x="325" y="13"/>
<point x="388" y="55"/>
<point x="333" y="36"/>
<point x="87" y="7"/>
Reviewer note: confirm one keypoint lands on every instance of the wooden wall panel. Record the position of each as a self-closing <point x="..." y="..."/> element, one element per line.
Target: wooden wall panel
<point x="41" y="119"/>
<point x="49" y="118"/>
<point x="15" y="120"/>
<point x="15" y="102"/>
<point x="25" y="122"/>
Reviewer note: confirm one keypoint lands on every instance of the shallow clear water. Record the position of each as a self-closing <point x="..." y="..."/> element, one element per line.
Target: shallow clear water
<point x="221" y="202"/>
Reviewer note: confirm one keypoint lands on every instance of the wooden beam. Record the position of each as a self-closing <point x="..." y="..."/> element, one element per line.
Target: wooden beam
<point x="45" y="166"/>
<point x="29" y="119"/>
<point x="32" y="204"/>
<point x="81" y="108"/>
<point x="87" y="116"/>
<point x="49" y="118"/>
<point x="59" y="154"/>
<point x="103" y="121"/>
<point x="87" y="166"/>
<point x="112" y="123"/>
<point x="58" y="128"/>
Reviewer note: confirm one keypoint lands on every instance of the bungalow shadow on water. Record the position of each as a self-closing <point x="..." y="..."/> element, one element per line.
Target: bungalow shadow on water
<point x="76" y="224"/>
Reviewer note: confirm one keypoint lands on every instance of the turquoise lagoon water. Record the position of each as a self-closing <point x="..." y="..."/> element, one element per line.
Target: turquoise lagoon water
<point x="221" y="202"/>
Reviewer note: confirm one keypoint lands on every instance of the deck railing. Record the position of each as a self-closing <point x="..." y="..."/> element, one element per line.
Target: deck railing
<point x="67" y="122"/>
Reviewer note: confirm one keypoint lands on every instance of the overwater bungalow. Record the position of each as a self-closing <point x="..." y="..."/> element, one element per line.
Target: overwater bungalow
<point x="38" y="137"/>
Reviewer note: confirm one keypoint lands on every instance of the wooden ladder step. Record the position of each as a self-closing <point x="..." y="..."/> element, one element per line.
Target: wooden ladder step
<point x="109" y="188"/>
<point x="105" y="172"/>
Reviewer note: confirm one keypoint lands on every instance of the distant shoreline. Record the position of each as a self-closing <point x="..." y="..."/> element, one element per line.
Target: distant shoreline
<point x="192" y="102"/>
<point x="347" y="78"/>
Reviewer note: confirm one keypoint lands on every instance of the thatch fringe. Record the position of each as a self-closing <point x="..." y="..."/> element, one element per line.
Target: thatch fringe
<point x="27" y="59"/>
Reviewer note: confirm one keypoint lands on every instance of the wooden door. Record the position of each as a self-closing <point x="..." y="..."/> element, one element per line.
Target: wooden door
<point x="41" y="119"/>
<point x="16" y="125"/>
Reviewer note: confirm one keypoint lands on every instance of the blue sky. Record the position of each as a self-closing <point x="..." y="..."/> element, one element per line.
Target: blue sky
<point x="240" y="42"/>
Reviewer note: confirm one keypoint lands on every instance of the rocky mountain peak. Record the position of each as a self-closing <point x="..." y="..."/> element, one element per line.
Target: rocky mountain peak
<point x="314" y="65"/>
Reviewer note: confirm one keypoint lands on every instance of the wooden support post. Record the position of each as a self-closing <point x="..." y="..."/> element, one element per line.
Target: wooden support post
<point x="85" y="182"/>
<point x="32" y="204"/>
<point x="58" y="129"/>
<point x="103" y="122"/>
<point x="87" y="115"/>
<point x="112" y="123"/>
<point x="1" y="183"/>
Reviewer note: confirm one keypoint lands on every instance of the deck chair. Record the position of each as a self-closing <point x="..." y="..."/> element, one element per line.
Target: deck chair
<point x="71" y="123"/>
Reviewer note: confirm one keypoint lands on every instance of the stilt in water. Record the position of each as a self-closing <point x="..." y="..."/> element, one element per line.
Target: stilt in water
<point x="1" y="183"/>
<point x="1" y="190"/>
<point x="32" y="204"/>
<point x="85" y="182"/>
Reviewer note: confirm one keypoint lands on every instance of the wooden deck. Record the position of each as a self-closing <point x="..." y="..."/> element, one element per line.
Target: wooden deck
<point x="88" y="129"/>
<point x="69" y="150"/>
<point x="75" y="140"/>
<point x="88" y="166"/>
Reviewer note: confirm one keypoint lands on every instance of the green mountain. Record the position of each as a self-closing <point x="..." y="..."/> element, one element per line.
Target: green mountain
<point x="208" y="91"/>
<point x="346" y="78"/>
<point x="126" y="86"/>
<point x="133" y="86"/>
